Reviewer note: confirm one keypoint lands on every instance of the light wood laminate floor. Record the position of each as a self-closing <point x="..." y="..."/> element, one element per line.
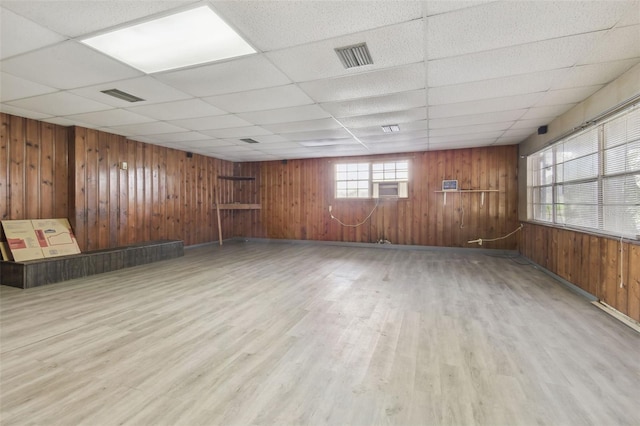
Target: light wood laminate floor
<point x="281" y="333"/>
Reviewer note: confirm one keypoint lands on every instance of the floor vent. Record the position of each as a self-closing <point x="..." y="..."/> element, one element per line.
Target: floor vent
<point x="354" y="56"/>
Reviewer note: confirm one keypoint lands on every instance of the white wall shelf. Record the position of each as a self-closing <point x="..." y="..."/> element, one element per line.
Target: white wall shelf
<point x="467" y="191"/>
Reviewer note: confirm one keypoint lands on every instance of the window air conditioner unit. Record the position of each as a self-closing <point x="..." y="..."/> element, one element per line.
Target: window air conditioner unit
<point x="390" y="190"/>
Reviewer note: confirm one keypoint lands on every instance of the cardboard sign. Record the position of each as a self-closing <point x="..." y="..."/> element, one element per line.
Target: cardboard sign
<point x="39" y="238"/>
<point x="21" y="239"/>
<point x="55" y="237"/>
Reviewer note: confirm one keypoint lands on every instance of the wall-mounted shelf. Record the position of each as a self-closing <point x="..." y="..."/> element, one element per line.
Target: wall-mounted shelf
<point x="481" y="191"/>
<point x="239" y="206"/>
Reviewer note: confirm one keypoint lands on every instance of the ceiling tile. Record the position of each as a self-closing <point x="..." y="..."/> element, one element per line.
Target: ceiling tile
<point x="69" y="65"/>
<point x="112" y="117"/>
<point x="567" y="96"/>
<point x="467" y="137"/>
<point x="286" y="115"/>
<point x="461" y="144"/>
<point x="339" y="133"/>
<point x="379" y="104"/>
<point x="446" y="6"/>
<point x="389" y="46"/>
<point x="180" y="137"/>
<point x="529" y="124"/>
<point x="20" y="35"/>
<point x="261" y="99"/>
<point x="146" y="129"/>
<point x="238" y="75"/>
<point x="147" y="88"/>
<point x="209" y="143"/>
<point x="59" y="103"/>
<point x="632" y="16"/>
<point x="595" y="74"/>
<point x="211" y="123"/>
<point x="271" y="138"/>
<point x="522" y="59"/>
<point x="495" y="88"/>
<point x="237" y="132"/>
<point x="546" y="112"/>
<point x="87" y="16"/>
<point x="468" y="130"/>
<point x="395" y="137"/>
<point x="302" y="126"/>
<point x="26" y="113"/>
<point x="177" y="110"/>
<point x="520" y="134"/>
<point x="375" y="83"/>
<point x="13" y="87"/>
<point x="486" y="105"/>
<point x="617" y="44"/>
<point x="300" y="22"/>
<point x="501" y="24"/>
<point x="386" y="118"/>
<point x="470" y="120"/>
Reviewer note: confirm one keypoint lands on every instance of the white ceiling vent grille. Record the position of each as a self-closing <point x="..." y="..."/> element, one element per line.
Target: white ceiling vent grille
<point x="122" y="95"/>
<point x="354" y="56"/>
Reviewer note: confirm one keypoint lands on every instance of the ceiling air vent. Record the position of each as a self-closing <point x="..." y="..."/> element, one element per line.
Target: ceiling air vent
<point x="249" y="140"/>
<point x="354" y="56"/>
<point x="122" y="95"/>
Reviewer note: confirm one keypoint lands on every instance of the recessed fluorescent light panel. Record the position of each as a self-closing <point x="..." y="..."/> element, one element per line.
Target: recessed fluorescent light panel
<point x="187" y="38"/>
<point x="392" y="128"/>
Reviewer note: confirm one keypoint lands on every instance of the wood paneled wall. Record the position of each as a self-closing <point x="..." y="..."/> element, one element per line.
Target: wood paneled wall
<point x="51" y="171"/>
<point x="591" y="262"/>
<point x="296" y="194"/>
<point x="162" y="194"/>
<point x="33" y="169"/>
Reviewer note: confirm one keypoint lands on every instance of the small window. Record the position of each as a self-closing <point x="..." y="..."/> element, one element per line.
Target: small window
<point x="357" y="180"/>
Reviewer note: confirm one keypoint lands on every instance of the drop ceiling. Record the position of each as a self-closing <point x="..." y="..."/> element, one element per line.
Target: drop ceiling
<point x="450" y="74"/>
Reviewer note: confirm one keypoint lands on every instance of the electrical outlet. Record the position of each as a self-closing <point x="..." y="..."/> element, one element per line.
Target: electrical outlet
<point x="330" y="207"/>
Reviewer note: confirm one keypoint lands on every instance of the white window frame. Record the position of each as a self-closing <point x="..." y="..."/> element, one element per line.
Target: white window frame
<point x="379" y="171"/>
<point x="547" y="212"/>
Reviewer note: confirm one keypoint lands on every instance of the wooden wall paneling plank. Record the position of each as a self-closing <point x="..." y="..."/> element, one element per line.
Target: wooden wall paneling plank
<point x="610" y="271"/>
<point x="154" y="150"/>
<point x="622" y="282"/>
<point x="113" y="155"/>
<point x="47" y="170"/>
<point x="141" y="190"/>
<point x="122" y="212"/>
<point x="171" y="176"/>
<point x="476" y="208"/>
<point x="5" y="201"/>
<point x="62" y="167"/>
<point x="417" y="194"/>
<point x="443" y="208"/>
<point x="595" y="264"/>
<point x="32" y="169"/>
<point x="132" y="195"/>
<point x="93" y="189"/>
<point x="633" y="282"/>
<point x="584" y="257"/>
<point x="162" y="193"/>
<point x="78" y="214"/>
<point x="188" y="201"/>
<point x="104" y="189"/>
<point x="17" y="168"/>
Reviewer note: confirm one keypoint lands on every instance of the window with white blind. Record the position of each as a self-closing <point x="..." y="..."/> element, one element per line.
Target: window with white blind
<point x="590" y="179"/>
<point x="363" y="180"/>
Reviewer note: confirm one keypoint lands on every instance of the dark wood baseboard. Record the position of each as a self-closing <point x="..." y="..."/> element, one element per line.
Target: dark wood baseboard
<point x="35" y="273"/>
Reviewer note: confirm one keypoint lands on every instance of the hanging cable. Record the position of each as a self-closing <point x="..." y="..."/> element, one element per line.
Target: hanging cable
<point x="359" y="223"/>
<point x="484" y="240"/>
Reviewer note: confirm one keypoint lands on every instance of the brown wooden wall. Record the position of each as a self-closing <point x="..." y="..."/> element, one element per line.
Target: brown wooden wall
<point x="589" y="261"/>
<point x="49" y="171"/>
<point x="33" y="169"/>
<point x="163" y="194"/>
<point x="295" y="197"/>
